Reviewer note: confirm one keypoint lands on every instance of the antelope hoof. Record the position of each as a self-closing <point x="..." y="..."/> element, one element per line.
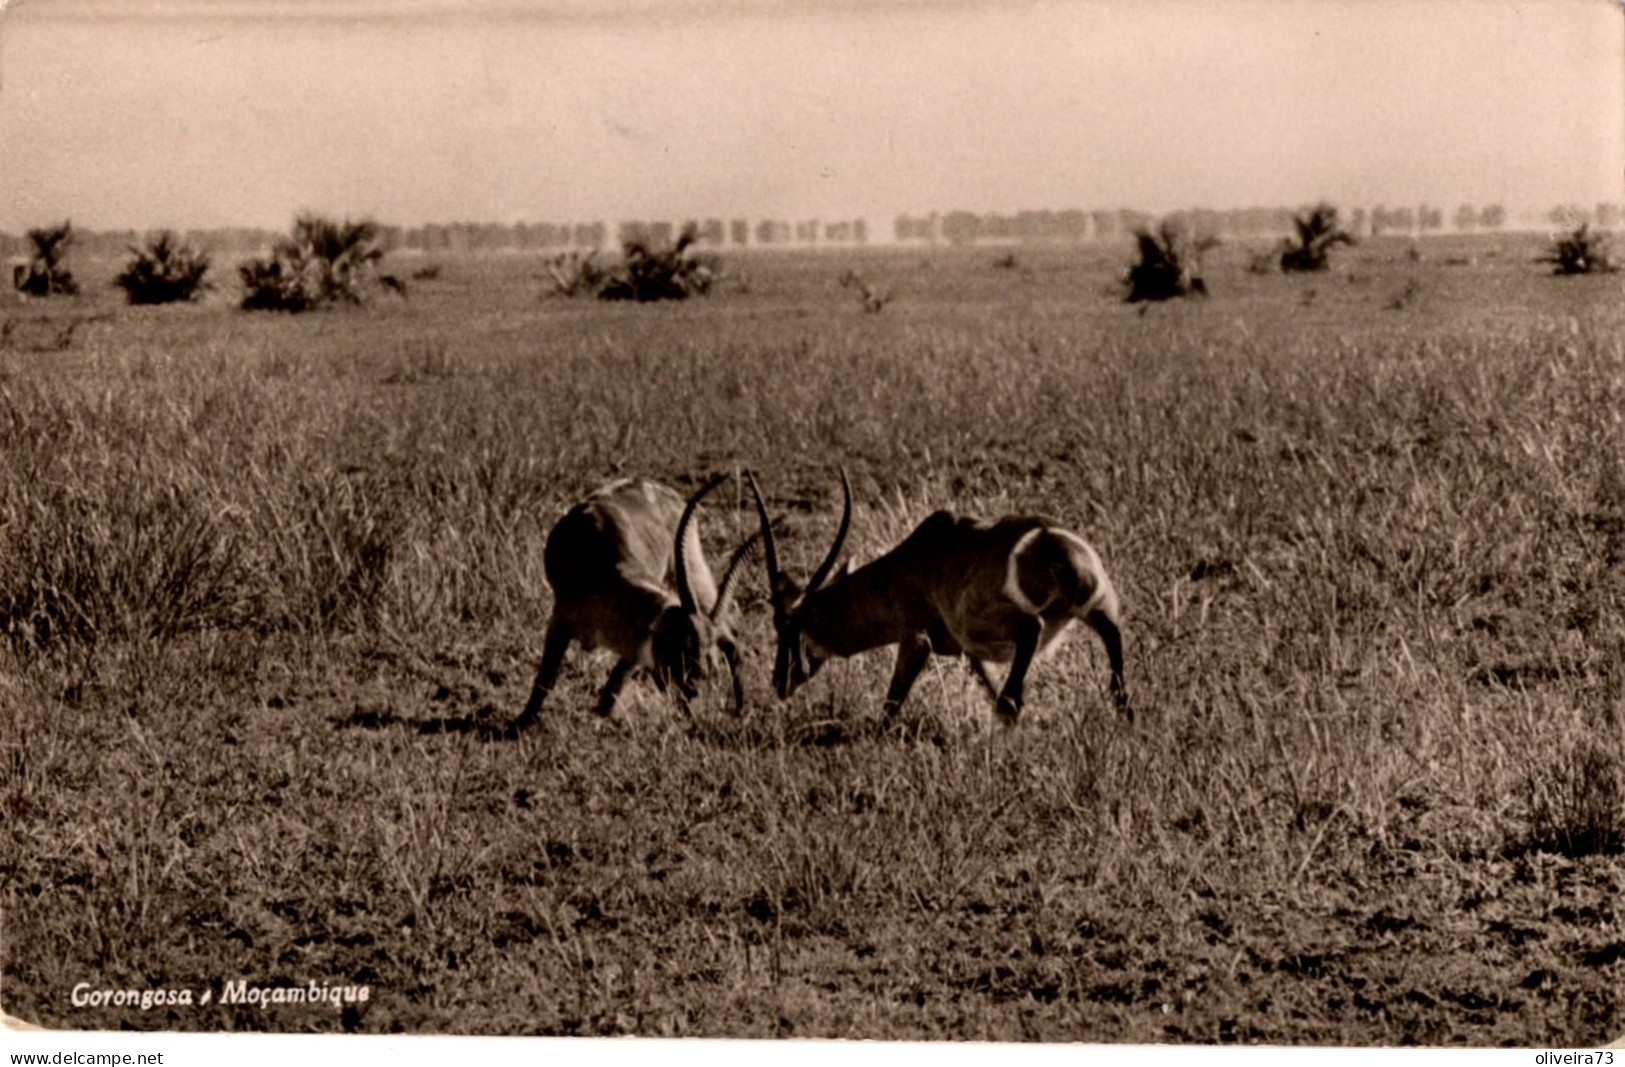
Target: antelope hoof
<point x="1009" y="710"/>
<point x="1124" y="708"/>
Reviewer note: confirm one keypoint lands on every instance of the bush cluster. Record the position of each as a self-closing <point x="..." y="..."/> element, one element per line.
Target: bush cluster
<point x="164" y="271"/>
<point x="321" y="262"/>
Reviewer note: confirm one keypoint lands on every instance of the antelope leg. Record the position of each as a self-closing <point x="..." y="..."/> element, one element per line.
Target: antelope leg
<point x="1112" y="638"/>
<point x="554" y="646"/>
<point x="1028" y="632"/>
<point x="979" y="669"/>
<point x="612" y="687"/>
<point x="912" y="653"/>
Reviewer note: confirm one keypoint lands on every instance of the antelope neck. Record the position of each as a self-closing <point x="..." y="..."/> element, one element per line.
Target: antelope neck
<point x="873" y="606"/>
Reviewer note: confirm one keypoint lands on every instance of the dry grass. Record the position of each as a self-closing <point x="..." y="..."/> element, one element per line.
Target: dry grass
<point x="264" y="579"/>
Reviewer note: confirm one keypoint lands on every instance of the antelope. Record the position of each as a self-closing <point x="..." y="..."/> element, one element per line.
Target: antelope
<point x="1001" y="591"/>
<point x="628" y="574"/>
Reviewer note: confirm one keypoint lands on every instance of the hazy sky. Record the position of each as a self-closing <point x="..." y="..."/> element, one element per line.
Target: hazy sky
<point x="135" y="113"/>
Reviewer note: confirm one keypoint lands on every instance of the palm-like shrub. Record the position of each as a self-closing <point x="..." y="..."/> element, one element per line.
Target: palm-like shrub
<point x="321" y="262"/>
<point x="651" y="272"/>
<point x="1318" y="234"/>
<point x="575" y="273"/>
<point x="274" y="284"/>
<point x="45" y="274"/>
<point x="1170" y="263"/>
<point x="1579" y="251"/>
<point x="164" y="271"/>
<point x="345" y="254"/>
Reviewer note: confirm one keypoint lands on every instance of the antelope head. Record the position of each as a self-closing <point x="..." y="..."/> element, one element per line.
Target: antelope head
<point x="688" y="639"/>
<point x="800" y="654"/>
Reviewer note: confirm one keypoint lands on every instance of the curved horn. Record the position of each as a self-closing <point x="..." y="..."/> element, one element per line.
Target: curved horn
<point x="725" y="587"/>
<point x="840" y="535"/>
<point x="685" y="592"/>
<point x="769" y="553"/>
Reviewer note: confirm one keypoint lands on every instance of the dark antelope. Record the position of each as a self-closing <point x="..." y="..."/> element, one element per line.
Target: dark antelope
<point x="1001" y="591"/>
<point x="628" y="574"/>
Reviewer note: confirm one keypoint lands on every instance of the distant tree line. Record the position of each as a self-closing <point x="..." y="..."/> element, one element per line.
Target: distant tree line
<point x="489" y="236"/>
<point x="950" y="228"/>
<point x="115" y="243"/>
<point x="462" y="237"/>
<point x="709" y="232"/>
<point x="1059" y="227"/>
<point x="1603" y="217"/>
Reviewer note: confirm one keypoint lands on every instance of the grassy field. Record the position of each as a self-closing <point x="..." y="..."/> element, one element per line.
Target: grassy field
<point x="264" y="580"/>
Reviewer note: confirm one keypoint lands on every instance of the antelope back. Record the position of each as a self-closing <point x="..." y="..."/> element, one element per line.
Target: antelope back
<point x="623" y="531"/>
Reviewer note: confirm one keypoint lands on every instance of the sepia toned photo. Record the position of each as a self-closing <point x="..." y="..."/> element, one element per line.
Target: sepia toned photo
<point x="912" y="520"/>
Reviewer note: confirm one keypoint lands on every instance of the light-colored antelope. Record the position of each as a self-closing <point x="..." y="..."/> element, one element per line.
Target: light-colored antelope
<point x="1002" y="591"/>
<point x="628" y="574"/>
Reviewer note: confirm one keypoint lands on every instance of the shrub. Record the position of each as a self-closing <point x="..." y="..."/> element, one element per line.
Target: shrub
<point x="165" y="271"/>
<point x="653" y="272"/>
<point x="874" y="300"/>
<point x="575" y="274"/>
<point x="1170" y="263"/>
<point x="1579" y="251"/>
<point x="273" y="284"/>
<point x="45" y="274"/>
<point x="321" y="262"/>
<point x="1318" y="233"/>
<point x="126" y="558"/>
<point x="1577" y="803"/>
